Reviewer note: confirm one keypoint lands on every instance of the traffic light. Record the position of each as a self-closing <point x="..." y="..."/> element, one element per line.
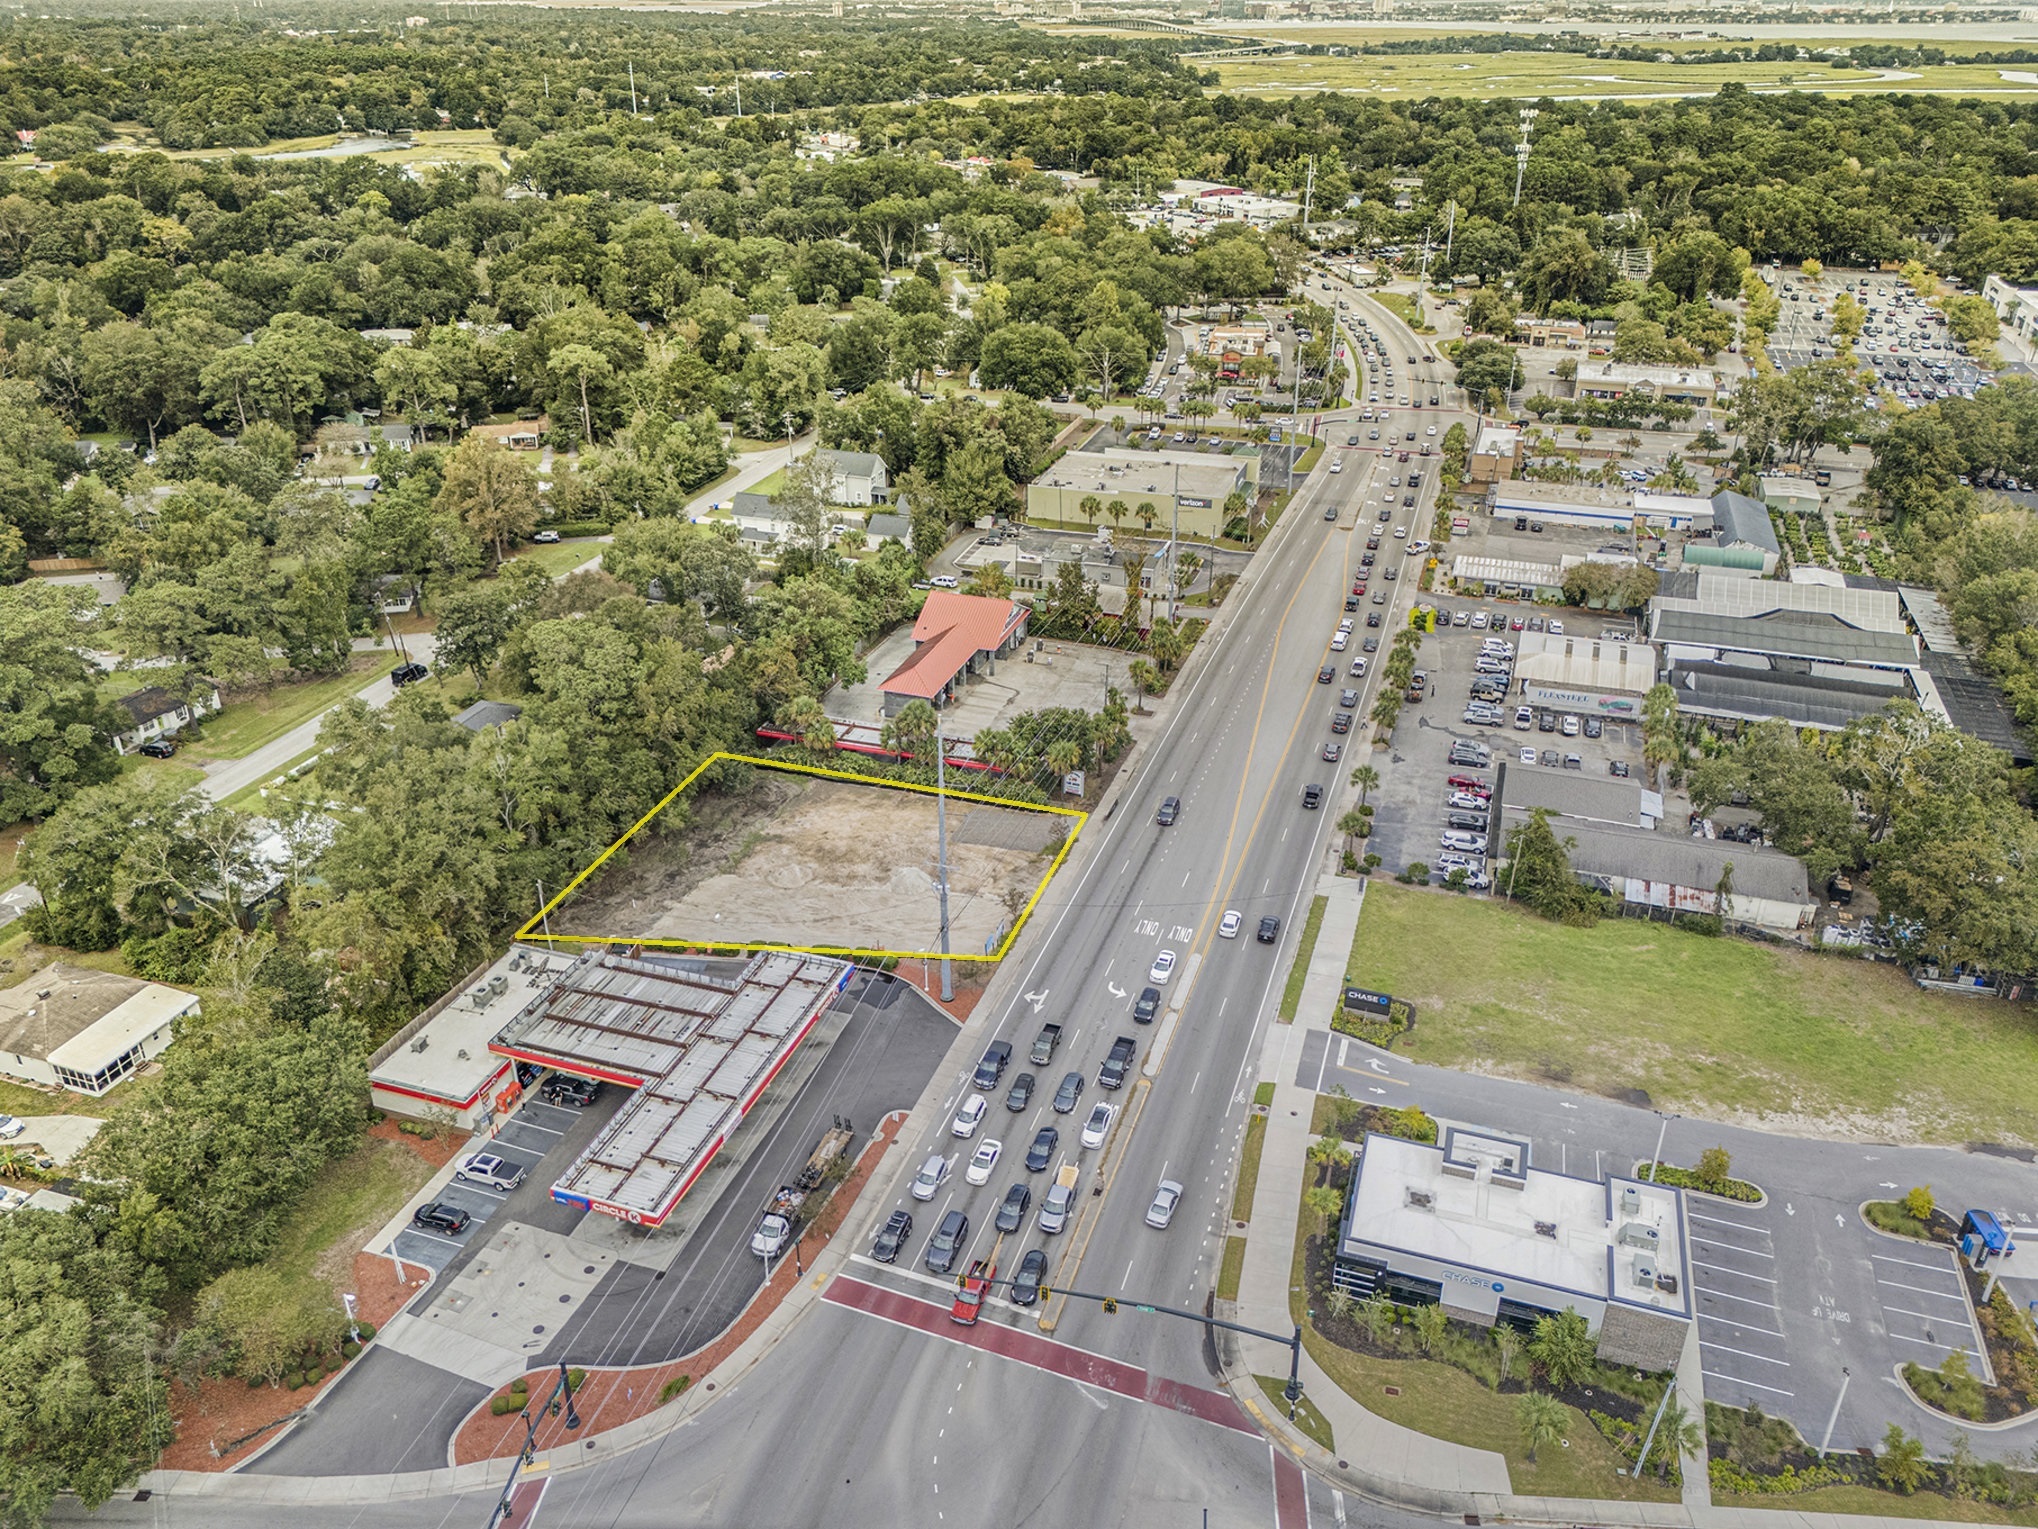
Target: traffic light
<point x="1110" y="1306"/>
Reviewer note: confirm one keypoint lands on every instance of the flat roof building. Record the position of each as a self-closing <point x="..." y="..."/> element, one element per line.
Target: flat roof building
<point x="1470" y="1225"/>
<point x="698" y="1045"/>
<point x="1672" y="384"/>
<point x="73" y="1028"/>
<point x="439" y="1066"/>
<point x="1580" y="504"/>
<point x="1575" y="796"/>
<point x="1591" y="675"/>
<point x="1185" y="488"/>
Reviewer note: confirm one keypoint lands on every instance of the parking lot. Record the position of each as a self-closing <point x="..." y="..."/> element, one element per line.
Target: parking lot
<point x="1413" y="801"/>
<point x="1903" y="339"/>
<point x="531" y="1139"/>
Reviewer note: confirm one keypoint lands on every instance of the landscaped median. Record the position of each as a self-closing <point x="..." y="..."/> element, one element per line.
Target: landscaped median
<point x="608" y="1398"/>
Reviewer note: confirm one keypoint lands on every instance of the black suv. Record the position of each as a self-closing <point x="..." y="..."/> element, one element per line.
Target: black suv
<point x="891" y="1241"/>
<point x="992" y="1067"/>
<point x="1021" y="1094"/>
<point x="575" y="1093"/>
<point x="407" y="674"/>
<point x="1312" y="797"/>
<point x="1146" y="1005"/>
<point x="946" y="1245"/>
<point x="1171" y="809"/>
<point x="1026" y="1283"/>
<point x="159" y="748"/>
<point x="441" y="1216"/>
<point x="1118" y="1063"/>
<point x="1270" y="929"/>
<point x="1041" y="1153"/>
<point x="1070" y="1091"/>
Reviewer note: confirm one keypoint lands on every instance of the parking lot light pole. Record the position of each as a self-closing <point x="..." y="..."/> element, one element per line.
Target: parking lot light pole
<point x="1656" y="1158"/>
<point x="1827" y="1442"/>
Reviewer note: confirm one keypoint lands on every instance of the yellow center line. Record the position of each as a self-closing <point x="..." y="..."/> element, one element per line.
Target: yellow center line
<point x="1051" y="1313"/>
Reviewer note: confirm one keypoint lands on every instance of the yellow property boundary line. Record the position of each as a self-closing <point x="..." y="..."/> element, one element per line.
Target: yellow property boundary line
<point x="536" y="931"/>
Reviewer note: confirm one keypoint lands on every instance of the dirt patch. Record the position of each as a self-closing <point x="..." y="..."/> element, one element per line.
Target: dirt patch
<point x="818" y="862"/>
<point x="610" y="1398"/>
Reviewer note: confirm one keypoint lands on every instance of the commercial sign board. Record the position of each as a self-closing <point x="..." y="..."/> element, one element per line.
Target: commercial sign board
<point x="1599" y="703"/>
<point x="1359" y="1000"/>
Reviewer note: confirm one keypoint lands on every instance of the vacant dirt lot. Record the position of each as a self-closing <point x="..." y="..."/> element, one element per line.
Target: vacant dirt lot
<point x="818" y="862"/>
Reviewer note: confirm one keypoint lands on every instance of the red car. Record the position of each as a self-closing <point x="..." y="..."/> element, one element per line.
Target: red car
<point x="1473" y="784"/>
<point x="969" y="1300"/>
<point x="1359" y="588"/>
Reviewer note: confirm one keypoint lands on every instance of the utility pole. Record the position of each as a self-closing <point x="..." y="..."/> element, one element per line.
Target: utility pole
<point x="1422" y="277"/>
<point x="633" y="87"/>
<point x="739" y="118"/>
<point x="1308" y="191"/>
<point x="941" y="850"/>
<point x="1521" y="150"/>
<point x="1450" y="227"/>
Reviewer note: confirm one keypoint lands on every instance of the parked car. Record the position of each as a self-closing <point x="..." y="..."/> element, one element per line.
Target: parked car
<point x="490" y="1169"/>
<point x="573" y="1092"/>
<point x="441" y="1216"/>
<point x="407" y="674"/>
<point x="159" y="748"/>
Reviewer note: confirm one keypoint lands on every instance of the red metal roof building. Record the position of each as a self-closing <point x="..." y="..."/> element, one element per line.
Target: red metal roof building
<point x="957" y="635"/>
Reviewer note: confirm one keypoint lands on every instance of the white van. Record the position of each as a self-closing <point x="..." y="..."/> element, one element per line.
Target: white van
<point x="945" y="581"/>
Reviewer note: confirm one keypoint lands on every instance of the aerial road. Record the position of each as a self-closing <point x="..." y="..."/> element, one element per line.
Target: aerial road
<point x="875" y="1409"/>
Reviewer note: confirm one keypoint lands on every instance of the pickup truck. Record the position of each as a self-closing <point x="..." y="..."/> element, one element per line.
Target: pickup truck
<point x="969" y="1298"/>
<point x="1118" y="1063"/>
<point x="1060" y="1201"/>
<point x="775" y="1230"/>
<point x="1044" y="1044"/>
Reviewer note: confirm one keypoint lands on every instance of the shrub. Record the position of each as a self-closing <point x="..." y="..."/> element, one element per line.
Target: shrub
<point x="579" y="527"/>
<point x="366" y="1330"/>
<point x="503" y="1406"/>
<point x="1901" y="1466"/>
<point x="1918" y="1204"/>
<point x="576" y="1379"/>
<point x="1715" y="1167"/>
<point x="1952" y="1387"/>
<point x="293" y="1380"/>
<point x="350" y="1350"/>
<point x="673" y="1387"/>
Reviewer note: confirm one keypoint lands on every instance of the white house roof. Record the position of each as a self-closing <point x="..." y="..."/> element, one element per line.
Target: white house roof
<point x="134" y="1021"/>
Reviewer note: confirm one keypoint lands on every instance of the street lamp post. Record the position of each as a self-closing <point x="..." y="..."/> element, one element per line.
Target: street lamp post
<point x="1656" y="1158"/>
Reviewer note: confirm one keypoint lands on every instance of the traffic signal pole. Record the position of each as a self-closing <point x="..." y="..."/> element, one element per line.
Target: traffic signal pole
<point x="1291" y="1393"/>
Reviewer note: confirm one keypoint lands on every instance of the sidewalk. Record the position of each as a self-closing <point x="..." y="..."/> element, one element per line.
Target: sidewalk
<point x="1398" y="1463"/>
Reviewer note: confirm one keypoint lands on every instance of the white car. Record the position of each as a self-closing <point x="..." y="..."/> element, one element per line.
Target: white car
<point x="1098" y="1126"/>
<point x="1165" y="1199"/>
<point x="1432" y="429"/>
<point x="1401" y="533"/>
<point x="1528" y="756"/>
<point x="1459" y="801"/>
<point x="491" y="1170"/>
<point x="970" y="1116"/>
<point x="1340" y="641"/>
<point x="932" y="1175"/>
<point x="1346" y="625"/>
<point x="11" y="1127"/>
<point x="1417" y="547"/>
<point x="984" y="1161"/>
<point x="1337" y="467"/>
<point x="1228" y="929"/>
<point x="1163" y="968"/>
<point x="1478" y="621"/>
<point x="1358" y="670"/>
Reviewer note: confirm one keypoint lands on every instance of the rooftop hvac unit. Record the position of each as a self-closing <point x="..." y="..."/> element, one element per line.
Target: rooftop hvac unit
<point x="1637" y="1235"/>
<point x="1630" y="1200"/>
<point x="1421" y="1199"/>
<point x="1546" y="1229"/>
<point x="516" y="963"/>
<point x="499" y="983"/>
<point x="478" y="997"/>
<point x="420" y="1043"/>
<point x="1645" y="1274"/>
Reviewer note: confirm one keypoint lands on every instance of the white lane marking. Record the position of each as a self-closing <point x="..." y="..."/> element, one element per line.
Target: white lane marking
<point x="1753" y="1385"/>
<point x="1128" y="1274"/>
<point x="1885" y="1258"/>
<point x="1937" y="1295"/>
<point x="1743" y="1299"/>
<point x="1922" y="1316"/>
<point x="1746" y="1327"/>
<point x="1738" y="1273"/>
<point x="1721" y="1348"/>
<point x="1723" y="1221"/>
<point x="1925" y="1342"/>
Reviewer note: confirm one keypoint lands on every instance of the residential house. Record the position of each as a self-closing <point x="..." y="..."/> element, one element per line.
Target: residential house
<point x="153" y="712"/>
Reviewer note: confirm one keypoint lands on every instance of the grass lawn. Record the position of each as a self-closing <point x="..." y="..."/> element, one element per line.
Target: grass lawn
<point x="245" y="725"/>
<point x="1233" y="1267"/>
<point x="350" y="1199"/>
<point x="1721" y="1027"/>
<point x="769" y="484"/>
<point x="1291" y="995"/>
<point x="1444" y="1402"/>
<point x="1401" y="305"/>
<point x="561" y="558"/>
<point x="1313" y="1424"/>
<point x="1249" y="1168"/>
<point x="1573" y="76"/>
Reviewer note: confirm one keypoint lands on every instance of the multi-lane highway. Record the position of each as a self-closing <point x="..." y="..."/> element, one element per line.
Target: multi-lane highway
<point x="867" y="1412"/>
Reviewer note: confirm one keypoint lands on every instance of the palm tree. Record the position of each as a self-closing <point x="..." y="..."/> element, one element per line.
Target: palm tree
<point x="1350" y="825"/>
<point x="1091" y="506"/>
<point x="1064" y="755"/>
<point x="1676" y="1435"/>
<point x="1116" y="510"/>
<point x="1506" y="1346"/>
<point x="1147" y="515"/>
<point x="1365" y="777"/>
<point x="1543" y="1420"/>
